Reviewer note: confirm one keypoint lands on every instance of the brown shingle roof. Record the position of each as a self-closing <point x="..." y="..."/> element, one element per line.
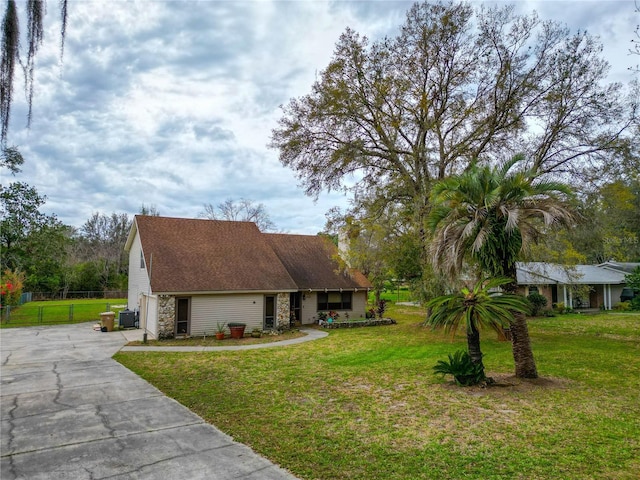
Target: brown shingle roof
<point x="209" y="256"/>
<point x="215" y="256"/>
<point x="311" y="262"/>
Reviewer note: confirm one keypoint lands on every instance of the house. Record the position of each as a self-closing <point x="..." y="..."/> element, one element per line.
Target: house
<point x="604" y="283"/>
<point x="188" y="275"/>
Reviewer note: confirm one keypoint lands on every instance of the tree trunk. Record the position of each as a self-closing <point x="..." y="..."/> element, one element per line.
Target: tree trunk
<point x="473" y="345"/>
<point x="521" y="344"/>
<point x="520" y="341"/>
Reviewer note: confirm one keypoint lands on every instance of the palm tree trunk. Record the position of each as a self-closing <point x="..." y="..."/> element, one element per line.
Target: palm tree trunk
<point x="520" y="340"/>
<point x="473" y="345"/>
<point x="521" y="345"/>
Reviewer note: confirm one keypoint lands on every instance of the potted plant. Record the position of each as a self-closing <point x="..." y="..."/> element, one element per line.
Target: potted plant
<point x="237" y="329"/>
<point x="220" y="330"/>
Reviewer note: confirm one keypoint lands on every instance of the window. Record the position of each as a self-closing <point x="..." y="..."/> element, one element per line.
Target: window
<point x="141" y="259"/>
<point x="334" y="301"/>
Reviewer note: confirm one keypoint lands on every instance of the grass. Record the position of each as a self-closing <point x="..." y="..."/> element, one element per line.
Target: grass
<point x="60" y="311"/>
<point x="402" y="294"/>
<point x="364" y="403"/>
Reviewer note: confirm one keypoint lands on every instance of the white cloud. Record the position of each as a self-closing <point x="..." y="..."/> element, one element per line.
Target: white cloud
<point x="172" y="103"/>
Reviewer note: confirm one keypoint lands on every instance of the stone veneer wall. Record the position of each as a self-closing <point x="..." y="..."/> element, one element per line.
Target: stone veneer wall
<point x="166" y="316"/>
<point x="283" y="314"/>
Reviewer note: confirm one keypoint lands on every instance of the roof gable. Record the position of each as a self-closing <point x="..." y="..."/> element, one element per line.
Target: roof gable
<point x="311" y="261"/>
<point x="625" y="267"/>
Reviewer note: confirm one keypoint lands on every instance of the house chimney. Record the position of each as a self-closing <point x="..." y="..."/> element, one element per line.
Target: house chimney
<point x="343" y="245"/>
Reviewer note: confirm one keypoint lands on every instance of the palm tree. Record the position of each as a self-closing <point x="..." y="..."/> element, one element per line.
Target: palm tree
<point x="482" y="307"/>
<point x="490" y="216"/>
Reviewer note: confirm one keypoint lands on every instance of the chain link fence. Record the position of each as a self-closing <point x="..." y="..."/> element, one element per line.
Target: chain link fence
<point x="29" y="314"/>
<point x="65" y="295"/>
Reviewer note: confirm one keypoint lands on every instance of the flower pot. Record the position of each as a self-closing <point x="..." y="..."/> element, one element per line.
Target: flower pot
<point x="219" y="335"/>
<point x="237" y="329"/>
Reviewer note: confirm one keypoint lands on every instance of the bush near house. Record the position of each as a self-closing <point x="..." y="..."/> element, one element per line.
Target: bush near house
<point x="537" y="302"/>
<point x="622" y="306"/>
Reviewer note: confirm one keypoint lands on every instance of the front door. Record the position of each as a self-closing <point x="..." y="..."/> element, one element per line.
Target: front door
<point x="269" y="312"/>
<point x="183" y="315"/>
<point x="295" y="300"/>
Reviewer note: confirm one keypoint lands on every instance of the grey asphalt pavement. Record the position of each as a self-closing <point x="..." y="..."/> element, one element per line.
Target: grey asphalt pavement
<point x="69" y="412"/>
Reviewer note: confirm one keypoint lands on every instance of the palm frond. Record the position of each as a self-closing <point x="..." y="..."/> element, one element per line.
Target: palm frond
<point x="493" y="214"/>
<point x="482" y="307"/>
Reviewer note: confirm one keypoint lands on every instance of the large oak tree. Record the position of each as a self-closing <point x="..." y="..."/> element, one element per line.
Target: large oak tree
<point x="453" y="86"/>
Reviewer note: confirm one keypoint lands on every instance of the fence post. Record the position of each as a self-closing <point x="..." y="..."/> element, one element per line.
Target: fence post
<point x="71" y="313"/>
<point x="8" y="312"/>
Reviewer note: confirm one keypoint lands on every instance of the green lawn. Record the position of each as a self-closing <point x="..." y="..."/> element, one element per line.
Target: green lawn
<point x="402" y="294"/>
<point x="364" y="404"/>
<point x="60" y="311"/>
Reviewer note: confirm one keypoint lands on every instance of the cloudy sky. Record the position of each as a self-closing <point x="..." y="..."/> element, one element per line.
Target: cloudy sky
<point x="172" y="103"/>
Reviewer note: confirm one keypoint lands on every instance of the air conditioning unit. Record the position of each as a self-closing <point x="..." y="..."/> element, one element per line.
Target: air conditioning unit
<point x="128" y="319"/>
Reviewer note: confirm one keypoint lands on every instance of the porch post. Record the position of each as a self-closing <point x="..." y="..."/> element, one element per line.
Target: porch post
<point x="283" y="311"/>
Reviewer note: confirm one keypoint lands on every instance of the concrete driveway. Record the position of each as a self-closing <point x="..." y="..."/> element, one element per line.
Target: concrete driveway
<point x="71" y="412"/>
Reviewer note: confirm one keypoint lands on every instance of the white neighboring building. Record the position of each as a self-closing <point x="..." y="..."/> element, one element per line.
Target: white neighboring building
<point x="555" y="282"/>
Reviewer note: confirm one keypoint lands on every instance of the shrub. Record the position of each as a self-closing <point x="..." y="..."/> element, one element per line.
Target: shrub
<point x="635" y="303"/>
<point x="622" y="306"/>
<point x="381" y="308"/>
<point x="561" y="308"/>
<point x="11" y="287"/>
<point x="537" y="302"/>
<point x="462" y="368"/>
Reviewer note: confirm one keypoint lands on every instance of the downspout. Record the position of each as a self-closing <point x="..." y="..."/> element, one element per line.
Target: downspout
<point x="146" y="310"/>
